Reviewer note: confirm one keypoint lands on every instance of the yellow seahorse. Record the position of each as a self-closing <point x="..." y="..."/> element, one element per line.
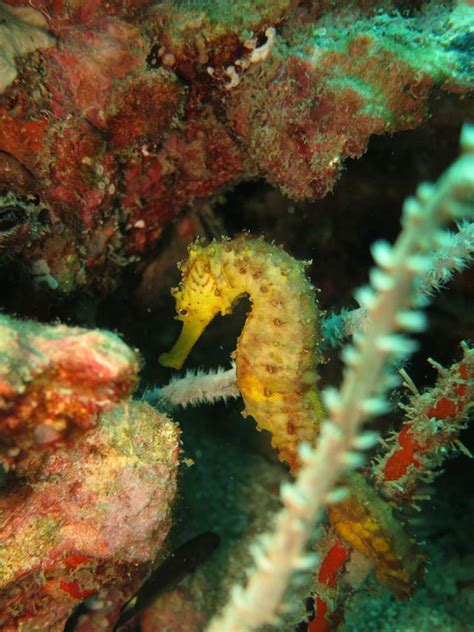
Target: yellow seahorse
<point x="278" y="349"/>
<point x="276" y="358"/>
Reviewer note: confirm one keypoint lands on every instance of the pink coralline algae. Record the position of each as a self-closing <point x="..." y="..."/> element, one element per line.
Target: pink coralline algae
<point x="88" y="521"/>
<point x="124" y="114"/>
<point x="92" y="474"/>
<point x="56" y="380"/>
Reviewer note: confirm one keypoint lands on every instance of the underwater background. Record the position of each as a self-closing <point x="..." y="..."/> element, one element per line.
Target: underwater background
<point x="185" y="144"/>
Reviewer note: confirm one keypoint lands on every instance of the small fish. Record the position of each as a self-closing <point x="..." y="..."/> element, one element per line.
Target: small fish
<point x="183" y="561"/>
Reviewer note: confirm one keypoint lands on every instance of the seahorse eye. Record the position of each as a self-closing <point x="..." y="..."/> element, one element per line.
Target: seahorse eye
<point x="11" y="217"/>
<point x="183" y="312"/>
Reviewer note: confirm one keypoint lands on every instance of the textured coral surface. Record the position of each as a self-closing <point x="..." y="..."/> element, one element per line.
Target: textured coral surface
<point x="92" y="474"/>
<point x="89" y="520"/>
<point x="120" y="115"/>
<point x="56" y="379"/>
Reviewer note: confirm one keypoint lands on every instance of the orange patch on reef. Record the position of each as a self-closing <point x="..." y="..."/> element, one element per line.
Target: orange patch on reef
<point x="331" y="567"/>
<point x="76" y="559"/>
<point x="320" y="623"/>
<point x="397" y="464"/>
<point x="443" y="409"/>
<point x="332" y="564"/>
<point x="73" y="589"/>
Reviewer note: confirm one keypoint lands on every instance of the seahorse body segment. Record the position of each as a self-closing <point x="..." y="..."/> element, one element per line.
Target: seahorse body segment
<point x="278" y="350"/>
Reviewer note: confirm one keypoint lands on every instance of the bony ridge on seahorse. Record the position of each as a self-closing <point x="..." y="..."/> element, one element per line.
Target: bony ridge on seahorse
<point x="276" y="359"/>
<point x="278" y="349"/>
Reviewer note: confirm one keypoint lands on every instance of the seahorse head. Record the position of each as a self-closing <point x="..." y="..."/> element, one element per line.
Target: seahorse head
<point x="202" y="294"/>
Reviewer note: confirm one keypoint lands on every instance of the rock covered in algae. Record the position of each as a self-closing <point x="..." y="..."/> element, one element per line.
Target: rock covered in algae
<point x="136" y="110"/>
<point x="55" y="380"/>
<point x="89" y="521"/>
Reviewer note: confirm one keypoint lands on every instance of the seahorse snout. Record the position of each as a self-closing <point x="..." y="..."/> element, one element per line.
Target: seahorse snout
<point x="190" y="334"/>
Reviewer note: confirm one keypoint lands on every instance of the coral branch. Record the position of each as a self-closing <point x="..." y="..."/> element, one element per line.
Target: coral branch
<point x="453" y="255"/>
<point x="429" y="434"/>
<point x="197" y="387"/>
